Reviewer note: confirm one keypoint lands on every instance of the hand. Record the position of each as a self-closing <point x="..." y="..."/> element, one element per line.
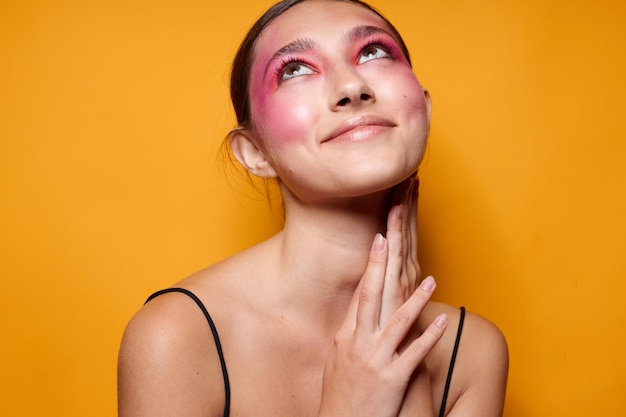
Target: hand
<point x="403" y="269"/>
<point x="401" y="278"/>
<point x="369" y="370"/>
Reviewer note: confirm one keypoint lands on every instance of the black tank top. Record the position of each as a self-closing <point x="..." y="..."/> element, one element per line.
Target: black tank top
<point x="220" y="353"/>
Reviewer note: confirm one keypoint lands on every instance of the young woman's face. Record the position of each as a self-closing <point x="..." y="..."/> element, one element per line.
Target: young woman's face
<point x="335" y="105"/>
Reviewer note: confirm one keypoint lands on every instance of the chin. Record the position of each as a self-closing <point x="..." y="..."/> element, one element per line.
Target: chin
<point x="376" y="181"/>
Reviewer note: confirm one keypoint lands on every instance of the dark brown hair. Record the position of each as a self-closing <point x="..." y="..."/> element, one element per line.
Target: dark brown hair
<point x="240" y="73"/>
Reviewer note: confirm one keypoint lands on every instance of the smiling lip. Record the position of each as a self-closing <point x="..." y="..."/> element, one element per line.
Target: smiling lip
<point x="359" y="128"/>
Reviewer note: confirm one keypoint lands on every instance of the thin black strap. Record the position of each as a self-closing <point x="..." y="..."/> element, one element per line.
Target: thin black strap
<point x="442" y="410"/>
<point x="218" y="345"/>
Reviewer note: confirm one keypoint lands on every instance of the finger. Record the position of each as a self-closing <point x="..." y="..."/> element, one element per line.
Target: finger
<point x="393" y="293"/>
<point x="409" y="235"/>
<point x="350" y="320"/>
<point x="415" y="353"/>
<point x="406" y="226"/>
<point x="404" y="317"/>
<point x="413" y="233"/>
<point x="370" y="293"/>
<point x="401" y="198"/>
<point x="351" y="314"/>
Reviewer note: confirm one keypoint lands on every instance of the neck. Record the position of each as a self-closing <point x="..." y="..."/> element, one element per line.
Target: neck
<point x="324" y="249"/>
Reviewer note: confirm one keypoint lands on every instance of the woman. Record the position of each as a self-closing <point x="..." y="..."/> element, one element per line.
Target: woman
<point x="326" y="318"/>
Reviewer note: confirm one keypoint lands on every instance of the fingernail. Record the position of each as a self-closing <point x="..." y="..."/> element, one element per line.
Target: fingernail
<point x="441" y="320"/>
<point x="397" y="212"/>
<point x="428" y="284"/>
<point x="379" y="243"/>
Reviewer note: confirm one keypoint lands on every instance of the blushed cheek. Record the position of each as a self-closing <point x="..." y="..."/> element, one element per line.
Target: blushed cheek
<point x="259" y="94"/>
<point x="280" y="120"/>
<point x="413" y="94"/>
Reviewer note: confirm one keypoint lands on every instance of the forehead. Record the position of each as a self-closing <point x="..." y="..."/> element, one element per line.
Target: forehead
<point x="318" y="20"/>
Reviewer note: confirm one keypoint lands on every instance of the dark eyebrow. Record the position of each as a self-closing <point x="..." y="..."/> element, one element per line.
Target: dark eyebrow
<point x="364" y="31"/>
<point x="299" y="45"/>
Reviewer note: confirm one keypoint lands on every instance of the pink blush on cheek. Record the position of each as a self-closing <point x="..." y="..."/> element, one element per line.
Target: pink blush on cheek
<point x="279" y="117"/>
<point x="259" y="87"/>
<point x="262" y="82"/>
<point x="282" y="122"/>
<point x="411" y="84"/>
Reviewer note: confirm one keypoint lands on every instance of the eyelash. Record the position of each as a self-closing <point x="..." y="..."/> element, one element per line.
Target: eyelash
<point x="280" y="70"/>
<point x="376" y="42"/>
<point x="382" y="43"/>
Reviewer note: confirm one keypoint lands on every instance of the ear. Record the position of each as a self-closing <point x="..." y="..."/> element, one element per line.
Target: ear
<point x="250" y="155"/>
<point x="429" y="102"/>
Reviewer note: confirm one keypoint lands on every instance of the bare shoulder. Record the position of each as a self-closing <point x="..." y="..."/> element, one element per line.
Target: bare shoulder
<point x="479" y="379"/>
<point x="168" y="364"/>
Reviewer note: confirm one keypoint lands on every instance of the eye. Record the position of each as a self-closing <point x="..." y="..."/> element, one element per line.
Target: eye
<point x="293" y="69"/>
<point x="373" y="52"/>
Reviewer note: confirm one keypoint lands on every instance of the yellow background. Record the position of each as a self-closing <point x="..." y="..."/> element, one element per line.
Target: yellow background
<point x="111" y="113"/>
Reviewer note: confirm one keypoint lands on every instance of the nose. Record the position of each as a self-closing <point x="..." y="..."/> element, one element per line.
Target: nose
<point x="350" y="89"/>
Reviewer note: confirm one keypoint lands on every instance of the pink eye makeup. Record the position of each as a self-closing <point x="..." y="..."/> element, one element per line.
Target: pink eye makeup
<point x="377" y="48"/>
<point x="365" y="36"/>
<point x="291" y="67"/>
<point x="368" y="43"/>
